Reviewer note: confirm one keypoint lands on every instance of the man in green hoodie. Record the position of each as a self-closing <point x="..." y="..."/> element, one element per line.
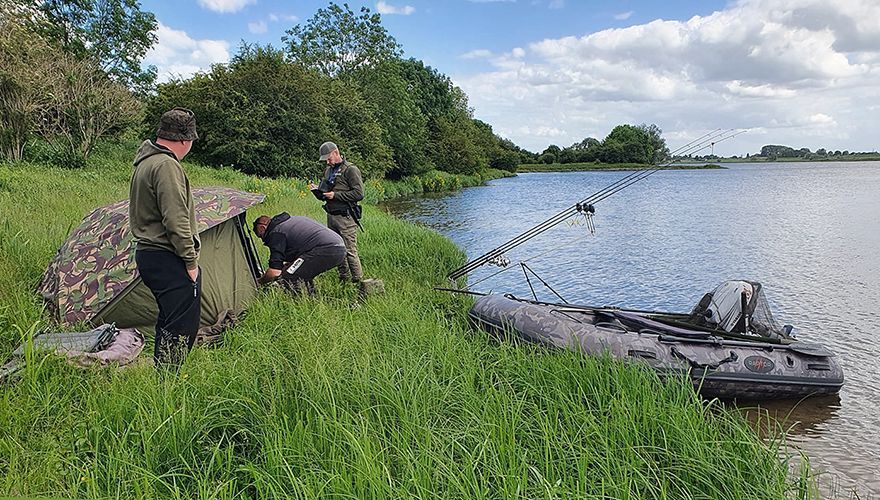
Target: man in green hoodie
<point x="163" y="221"/>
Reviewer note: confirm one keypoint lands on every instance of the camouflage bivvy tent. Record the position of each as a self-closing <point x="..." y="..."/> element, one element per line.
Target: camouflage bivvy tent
<point x="93" y="277"/>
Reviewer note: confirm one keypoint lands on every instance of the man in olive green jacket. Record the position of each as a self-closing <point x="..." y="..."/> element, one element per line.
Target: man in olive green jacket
<point x="342" y="188"/>
<point x="163" y="221"/>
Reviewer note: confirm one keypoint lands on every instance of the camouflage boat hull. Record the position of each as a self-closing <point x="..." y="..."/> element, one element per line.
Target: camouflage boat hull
<point x="722" y="368"/>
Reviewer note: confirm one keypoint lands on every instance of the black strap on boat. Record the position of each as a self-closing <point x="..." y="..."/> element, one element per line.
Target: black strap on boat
<point x="497" y="253"/>
<point x="698" y="365"/>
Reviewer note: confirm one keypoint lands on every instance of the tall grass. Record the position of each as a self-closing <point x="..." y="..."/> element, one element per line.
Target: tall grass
<point x="434" y="181"/>
<point x="320" y="397"/>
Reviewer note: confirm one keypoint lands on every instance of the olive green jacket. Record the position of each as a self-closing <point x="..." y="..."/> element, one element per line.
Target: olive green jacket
<point x="349" y="188"/>
<point x="161" y="211"/>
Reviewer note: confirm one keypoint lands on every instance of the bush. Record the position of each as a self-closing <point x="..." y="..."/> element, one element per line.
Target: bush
<point x="25" y="59"/>
<point x="69" y="102"/>
<point x="259" y="114"/>
<point x="506" y="160"/>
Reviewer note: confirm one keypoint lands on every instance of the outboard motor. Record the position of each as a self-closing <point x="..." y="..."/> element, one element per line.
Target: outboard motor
<point x="738" y="306"/>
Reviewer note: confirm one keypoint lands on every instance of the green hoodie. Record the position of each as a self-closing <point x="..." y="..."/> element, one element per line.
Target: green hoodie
<point x="161" y="211"/>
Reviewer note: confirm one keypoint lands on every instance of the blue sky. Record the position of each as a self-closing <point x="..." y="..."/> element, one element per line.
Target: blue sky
<point x="795" y="72"/>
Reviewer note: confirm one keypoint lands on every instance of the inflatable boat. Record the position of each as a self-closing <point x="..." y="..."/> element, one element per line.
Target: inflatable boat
<point x="729" y="345"/>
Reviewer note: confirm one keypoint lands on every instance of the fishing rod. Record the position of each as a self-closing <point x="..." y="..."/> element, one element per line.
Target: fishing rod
<point x="495" y="256"/>
<point x="633" y="177"/>
<point x="586" y="206"/>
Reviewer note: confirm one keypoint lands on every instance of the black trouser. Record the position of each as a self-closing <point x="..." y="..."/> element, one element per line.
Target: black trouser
<point x="304" y="268"/>
<point x="179" y="300"/>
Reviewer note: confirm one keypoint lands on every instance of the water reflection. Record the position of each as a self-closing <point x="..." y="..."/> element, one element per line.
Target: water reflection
<point x="808" y="232"/>
<point x="806" y="417"/>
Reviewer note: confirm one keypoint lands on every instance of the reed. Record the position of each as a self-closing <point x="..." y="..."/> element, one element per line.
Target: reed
<point x="315" y="397"/>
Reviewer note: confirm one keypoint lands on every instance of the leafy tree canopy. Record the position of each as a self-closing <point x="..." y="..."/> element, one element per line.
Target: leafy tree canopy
<point x="338" y="42"/>
<point x="115" y="33"/>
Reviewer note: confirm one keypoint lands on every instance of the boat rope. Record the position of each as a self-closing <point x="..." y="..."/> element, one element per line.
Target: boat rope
<point x="586" y="205"/>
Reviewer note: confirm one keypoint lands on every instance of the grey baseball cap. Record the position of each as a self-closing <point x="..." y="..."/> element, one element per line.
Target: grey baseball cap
<point x="178" y="124"/>
<point x="325" y="150"/>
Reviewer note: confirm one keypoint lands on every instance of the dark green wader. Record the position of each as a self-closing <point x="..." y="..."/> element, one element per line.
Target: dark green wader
<point x="345" y="226"/>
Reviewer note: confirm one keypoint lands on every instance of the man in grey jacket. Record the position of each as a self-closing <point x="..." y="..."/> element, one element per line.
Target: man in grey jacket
<point x="163" y="221"/>
<point x="342" y="188"/>
<point x="299" y="250"/>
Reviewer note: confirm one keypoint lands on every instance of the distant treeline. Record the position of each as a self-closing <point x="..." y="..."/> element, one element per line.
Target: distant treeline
<point x="773" y="152"/>
<point x="641" y="144"/>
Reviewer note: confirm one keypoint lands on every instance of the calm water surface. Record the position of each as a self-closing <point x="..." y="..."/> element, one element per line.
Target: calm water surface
<point x="810" y="232"/>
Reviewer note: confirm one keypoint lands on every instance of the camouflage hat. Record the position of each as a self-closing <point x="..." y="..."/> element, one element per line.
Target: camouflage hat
<point x="178" y="124"/>
<point x="325" y="150"/>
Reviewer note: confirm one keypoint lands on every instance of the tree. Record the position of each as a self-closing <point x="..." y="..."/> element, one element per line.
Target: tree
<point x="633" y="144"/>
<point x="612" y="152"/>
<point x="433" y="91"/>
<point x="774" y="151"/>
<point x="659" y="152"/>
<point x="86" y="106"/>
<point x="259" y="114"/>
<point x="506" y="160"/>
<point x="453" y="146"/>
<point x="552" y="151"/>
<point x="356" y="130"/>
<point x="586" y="150"/>
<point x="568" y="155"/>
<point x="115" y="33"/>
<point x="338" y="42"/>
<point x="67" y="101"/>
<point x="25" y="63"/>
<point x="404" y="126"/>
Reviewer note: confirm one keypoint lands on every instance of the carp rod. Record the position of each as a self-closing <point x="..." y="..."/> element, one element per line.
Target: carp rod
<point x="496" y="255"/>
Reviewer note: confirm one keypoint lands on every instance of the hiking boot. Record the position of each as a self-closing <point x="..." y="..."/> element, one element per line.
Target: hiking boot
<point x="370" y="286"/>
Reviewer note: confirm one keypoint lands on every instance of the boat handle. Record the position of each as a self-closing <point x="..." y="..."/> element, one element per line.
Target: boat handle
<point x="697" y="364"/>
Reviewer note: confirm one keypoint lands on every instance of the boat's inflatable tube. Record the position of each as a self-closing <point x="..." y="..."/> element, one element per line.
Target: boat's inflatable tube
<point x="723" y="368"/>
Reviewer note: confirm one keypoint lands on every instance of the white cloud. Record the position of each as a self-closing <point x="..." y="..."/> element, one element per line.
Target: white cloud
<point x="176" y="54"/>
<point x="258" y="27"/>
<point x="476" y="54"/>
<point x="283" y="17"/>
<point x="623" y="16"/>
<point x="791" y="70"/>
<point x="225" y="6"/>
<point x="821" y="119"/>
<point x="386" y="8"/>
<point x="737" y="87"/>
<point x="557" y="4"/>
<point x="491" y="1"/>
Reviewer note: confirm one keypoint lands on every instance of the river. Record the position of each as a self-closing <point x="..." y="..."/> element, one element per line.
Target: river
<point x="809" y="232"/>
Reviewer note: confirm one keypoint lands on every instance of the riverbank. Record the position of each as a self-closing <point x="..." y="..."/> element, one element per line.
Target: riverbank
<point x="315" y="398"/>
<point x="434" y="181"/>
<point x="585" y="167"/>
